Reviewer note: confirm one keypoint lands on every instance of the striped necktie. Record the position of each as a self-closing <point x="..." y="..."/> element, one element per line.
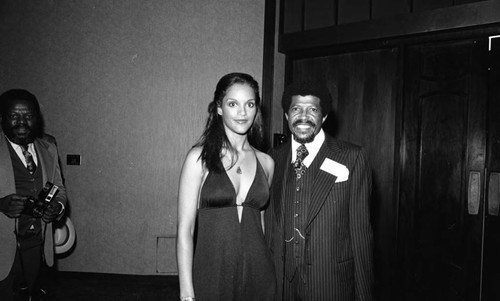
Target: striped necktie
<point x="30" y="163"/>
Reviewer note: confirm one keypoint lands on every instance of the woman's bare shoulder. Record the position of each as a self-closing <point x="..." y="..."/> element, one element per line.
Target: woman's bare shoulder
<point x="193" y="157"/>
<point x="265" y="160"/>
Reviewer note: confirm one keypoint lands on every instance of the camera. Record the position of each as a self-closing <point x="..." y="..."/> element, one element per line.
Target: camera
<point x="36" y="207"/>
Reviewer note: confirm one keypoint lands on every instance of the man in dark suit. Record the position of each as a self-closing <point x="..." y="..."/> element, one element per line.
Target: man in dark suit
<point x="26" y="164"/>
<point x="317" y="223"/>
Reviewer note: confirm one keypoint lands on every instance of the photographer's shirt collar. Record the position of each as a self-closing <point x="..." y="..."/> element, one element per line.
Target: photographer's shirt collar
<point x="19" y="151"/>
<point x="312" y="148"/>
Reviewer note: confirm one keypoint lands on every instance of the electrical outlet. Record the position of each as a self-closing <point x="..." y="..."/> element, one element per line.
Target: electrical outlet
<point x="73" y="159"/>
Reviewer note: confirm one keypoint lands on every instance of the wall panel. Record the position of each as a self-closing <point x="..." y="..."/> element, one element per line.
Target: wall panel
<point x="421" y="5"/>
<point x="385" y="8"/>
<point x="353" y="11"/>
<point x="304" y="15"/>
<point x="320" y="13"/>
<point x="293" y="12"/>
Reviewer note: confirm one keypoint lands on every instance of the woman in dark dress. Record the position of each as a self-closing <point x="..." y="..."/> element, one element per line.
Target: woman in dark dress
<point x="224" y="186"/>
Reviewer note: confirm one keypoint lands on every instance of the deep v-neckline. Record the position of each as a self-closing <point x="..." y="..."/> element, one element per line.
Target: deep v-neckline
<point x="249" y="188"/>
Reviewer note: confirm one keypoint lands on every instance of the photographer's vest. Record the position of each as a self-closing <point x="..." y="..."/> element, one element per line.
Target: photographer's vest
<point x="29" y="229"/>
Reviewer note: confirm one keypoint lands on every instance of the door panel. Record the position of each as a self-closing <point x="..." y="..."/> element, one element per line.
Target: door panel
<point x="439" y="242"/>
<point x="491" y="274"/>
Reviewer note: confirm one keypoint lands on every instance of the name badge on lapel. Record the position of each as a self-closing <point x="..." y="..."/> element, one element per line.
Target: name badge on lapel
<point x="336" y="169"/>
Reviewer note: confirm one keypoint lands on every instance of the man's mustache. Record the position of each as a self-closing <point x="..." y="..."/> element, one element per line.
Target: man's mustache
<point x="309" y="122"/>
<point x="21" y="126"/>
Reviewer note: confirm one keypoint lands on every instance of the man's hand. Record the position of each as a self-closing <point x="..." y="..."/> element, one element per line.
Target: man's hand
<point x="52" y="211"/>
<point x="12" y="205"/>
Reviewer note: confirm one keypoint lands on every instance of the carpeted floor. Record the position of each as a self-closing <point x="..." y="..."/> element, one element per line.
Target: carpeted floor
<point x="72" y="286"/>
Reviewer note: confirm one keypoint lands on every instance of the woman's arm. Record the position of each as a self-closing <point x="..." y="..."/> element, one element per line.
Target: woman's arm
<point x="189" y="186"/>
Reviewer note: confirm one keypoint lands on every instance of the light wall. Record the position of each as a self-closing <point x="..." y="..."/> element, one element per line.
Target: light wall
<point x="126" y="84"/>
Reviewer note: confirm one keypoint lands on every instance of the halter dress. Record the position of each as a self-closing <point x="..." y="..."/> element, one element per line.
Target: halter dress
<point x="232" y="260"/>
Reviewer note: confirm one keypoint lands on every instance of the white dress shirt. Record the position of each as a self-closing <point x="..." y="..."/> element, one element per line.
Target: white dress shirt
<point x="312" y="148"/>
<point x="19" y="151"/>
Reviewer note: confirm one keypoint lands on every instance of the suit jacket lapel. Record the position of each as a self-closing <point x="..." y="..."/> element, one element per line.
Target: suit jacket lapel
<point x="323" y="181"/>
<point x="44" y="160"/>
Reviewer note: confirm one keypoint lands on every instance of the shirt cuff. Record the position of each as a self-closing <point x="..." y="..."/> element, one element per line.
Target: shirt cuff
<point x="62" y="208"/>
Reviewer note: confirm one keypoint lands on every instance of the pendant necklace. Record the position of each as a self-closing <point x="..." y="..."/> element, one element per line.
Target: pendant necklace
<point x="238" y="170"/>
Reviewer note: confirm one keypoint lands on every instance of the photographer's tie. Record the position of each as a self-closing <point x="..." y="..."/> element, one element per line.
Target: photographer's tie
<point x="30" y="163"/>
<point x="299" y="166"/>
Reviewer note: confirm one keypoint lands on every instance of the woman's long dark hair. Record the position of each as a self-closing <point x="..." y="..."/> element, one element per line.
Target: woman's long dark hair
<point x="214" y="138"/>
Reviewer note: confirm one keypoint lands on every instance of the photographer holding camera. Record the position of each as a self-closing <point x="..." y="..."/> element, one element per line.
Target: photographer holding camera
<point x="32" y="196"/>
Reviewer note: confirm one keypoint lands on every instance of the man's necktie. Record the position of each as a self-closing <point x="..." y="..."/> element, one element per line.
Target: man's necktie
<point x="30" y="163"/>
<point x="298" y="165"/>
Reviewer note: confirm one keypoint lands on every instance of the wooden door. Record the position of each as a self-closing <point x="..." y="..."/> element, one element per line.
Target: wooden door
<point x="490" y="284"/>
<point x="443" y="168"/>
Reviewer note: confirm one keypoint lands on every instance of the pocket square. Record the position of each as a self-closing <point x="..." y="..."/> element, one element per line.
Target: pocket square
<point x="336" y="169"/>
